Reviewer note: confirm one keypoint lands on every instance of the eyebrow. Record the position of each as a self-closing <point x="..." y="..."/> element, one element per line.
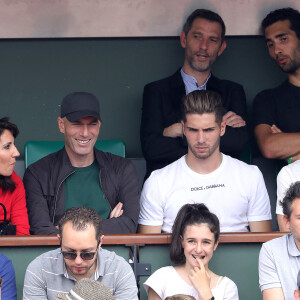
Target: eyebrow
<point x="276" y="37"/>
<point x="82" y="250"/>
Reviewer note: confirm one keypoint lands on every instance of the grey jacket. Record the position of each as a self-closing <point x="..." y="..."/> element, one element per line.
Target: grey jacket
<point x="45" y="192"/>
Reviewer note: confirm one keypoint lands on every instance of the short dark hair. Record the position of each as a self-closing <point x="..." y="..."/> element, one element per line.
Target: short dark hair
<point x="6" y="183"/>
<point x="81" y="217"/>
<point x="204" y="14"/>
<point x="203" y="102"/>
<point x="292" y="193"/>
<point x="283" y="14"/>
<point x="190" y="214"/>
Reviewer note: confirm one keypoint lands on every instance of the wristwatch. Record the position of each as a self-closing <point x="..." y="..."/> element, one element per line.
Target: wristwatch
<point x="212" y="298"/>
<point x="1" y="282"/>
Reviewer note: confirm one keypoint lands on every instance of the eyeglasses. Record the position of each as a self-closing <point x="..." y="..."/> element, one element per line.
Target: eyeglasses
<point x="72" y="255"/>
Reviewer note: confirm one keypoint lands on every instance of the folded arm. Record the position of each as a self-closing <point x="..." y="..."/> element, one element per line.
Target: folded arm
<point x="274" y="143"/>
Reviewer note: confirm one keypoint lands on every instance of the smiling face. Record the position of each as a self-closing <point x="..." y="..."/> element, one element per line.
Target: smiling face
<point x="80" y="138"/>
<point x="203" y="44"/>
<point x="80" y="241"/>
<point x="8" y="153"/>
<point x="203" y="134"/>
<point x="283" y="45"/>
<point x="198" y="241"/>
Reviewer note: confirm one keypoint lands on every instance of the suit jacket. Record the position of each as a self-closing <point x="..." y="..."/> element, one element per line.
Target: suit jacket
<point x="162" y="103"/>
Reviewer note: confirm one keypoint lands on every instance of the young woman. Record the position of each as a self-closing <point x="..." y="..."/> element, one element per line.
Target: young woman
<point x="195" y="236"/>
<point x="12" y="193"/>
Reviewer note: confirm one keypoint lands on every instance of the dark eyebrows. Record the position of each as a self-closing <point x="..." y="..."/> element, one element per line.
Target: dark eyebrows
<point x="276" y="37"/>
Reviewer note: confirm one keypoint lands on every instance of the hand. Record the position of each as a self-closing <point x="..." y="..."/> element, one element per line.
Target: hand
<point x="275" y="129"/>
<point x="117" y="211"/>
<point x="233" y="120"/>
<point x="173" y="131"/>
<point x="201" y="280"/>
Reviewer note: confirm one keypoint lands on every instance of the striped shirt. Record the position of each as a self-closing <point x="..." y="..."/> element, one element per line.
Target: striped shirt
<point x="46" y="276"/>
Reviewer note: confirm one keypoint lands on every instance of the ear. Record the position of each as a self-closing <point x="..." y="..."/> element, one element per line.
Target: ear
<point x="181" y="241"/>
<point x="223" y="128"/>
<point x="286" y="222"/>
<point x="61" y="124"/>
<point x="182" y="123"/>
<point x="183" y="40"/>
<point x="58" y="236"/>
<point x="101" y="241"/>
<point x="222" y="48"/>
<point x="216" y="245"/>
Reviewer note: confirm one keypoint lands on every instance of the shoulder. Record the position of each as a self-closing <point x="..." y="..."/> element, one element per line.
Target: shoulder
<point x="168" y="172"/>
<point x="293" y="169"/>
<point x="16" y="179"/>
<point x="222" y="84"/>
<point x="278" y="244"/>
<point x="113" y="261"/>
<point x="5" y="262"/>
<point x="273" y="92"/>
<point x="165" y="82"/>
<point x="44" y="164"/>
<point x="159" y="277"/>
<point x="48" y="259"/>
<point x="114" y="162"/>
<point x="239" y="165"/>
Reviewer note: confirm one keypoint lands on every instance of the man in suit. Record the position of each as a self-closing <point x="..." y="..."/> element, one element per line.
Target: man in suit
<point x="203" y="38"/>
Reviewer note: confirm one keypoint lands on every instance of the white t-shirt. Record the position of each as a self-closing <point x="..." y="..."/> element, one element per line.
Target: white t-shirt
<point x="167" y="282"/>
<point x="235" y="192"/>
<point x="287" y="175"/>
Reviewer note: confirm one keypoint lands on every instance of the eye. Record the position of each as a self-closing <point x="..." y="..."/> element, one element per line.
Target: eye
<point x="213" y="40"/>
<point x="270" y="45"/>
<point x="6" y="147"/>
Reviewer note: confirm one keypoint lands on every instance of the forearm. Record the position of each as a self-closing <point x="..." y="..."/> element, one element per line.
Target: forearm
<point x="277" y="145"/>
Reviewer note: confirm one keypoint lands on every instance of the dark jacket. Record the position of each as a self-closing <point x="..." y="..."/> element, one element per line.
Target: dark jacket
<point x="162" y="107"/>
<point x="45" y="192"/>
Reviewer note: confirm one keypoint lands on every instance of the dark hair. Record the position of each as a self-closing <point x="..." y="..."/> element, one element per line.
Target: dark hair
<point x="283" y="14"/>
<point x="81" y="217"/>
<point x="292" y="193"/>
<point x="6" y="183"/>
<point x="190" y="214"/>
<point x="204" y="14"/>
<point x="203" y="102"/>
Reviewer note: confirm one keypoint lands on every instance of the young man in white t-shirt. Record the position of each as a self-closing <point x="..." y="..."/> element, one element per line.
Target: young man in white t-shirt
<point x="231" y="189"/>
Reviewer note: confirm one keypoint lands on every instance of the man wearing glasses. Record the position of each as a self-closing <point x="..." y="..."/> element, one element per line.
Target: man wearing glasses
<point x="80" y="256"/>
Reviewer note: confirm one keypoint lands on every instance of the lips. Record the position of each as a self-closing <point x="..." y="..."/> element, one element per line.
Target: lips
<point x="83" y="142"/>
<point x="281" y="60"/>
<point x="198" y="256"/>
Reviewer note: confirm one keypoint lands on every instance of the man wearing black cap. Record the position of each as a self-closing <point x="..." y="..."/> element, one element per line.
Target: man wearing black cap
<point x="81" y="175"/>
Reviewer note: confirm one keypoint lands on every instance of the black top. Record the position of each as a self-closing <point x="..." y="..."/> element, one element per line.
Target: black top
<point x="279" y="106"/>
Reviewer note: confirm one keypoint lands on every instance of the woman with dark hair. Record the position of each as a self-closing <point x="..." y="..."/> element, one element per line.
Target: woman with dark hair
<point x="195" y="236"/>
<point x="12" y="193"/>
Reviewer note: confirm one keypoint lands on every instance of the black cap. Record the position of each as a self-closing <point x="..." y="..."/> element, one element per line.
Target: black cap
<point x="79" y="105"/>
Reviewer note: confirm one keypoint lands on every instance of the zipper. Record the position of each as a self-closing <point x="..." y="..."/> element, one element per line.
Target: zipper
<point x="55" y="204"/>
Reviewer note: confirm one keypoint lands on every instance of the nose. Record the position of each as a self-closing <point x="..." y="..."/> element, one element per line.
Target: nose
<point x="78" y="259"/>
<point x="84" y="130"/>
<point x="277" y="48"/>
<point x="198" y="248"/>
<point x="203" y="44"/>
<point x="15" y="152"/>
<point x="200" y="137"/>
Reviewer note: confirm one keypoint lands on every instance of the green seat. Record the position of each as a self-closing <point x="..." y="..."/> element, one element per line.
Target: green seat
<point x="35" y="150"/>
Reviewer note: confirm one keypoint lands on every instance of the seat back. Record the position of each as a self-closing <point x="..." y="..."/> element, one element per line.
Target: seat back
<point x="35" y="150"/>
